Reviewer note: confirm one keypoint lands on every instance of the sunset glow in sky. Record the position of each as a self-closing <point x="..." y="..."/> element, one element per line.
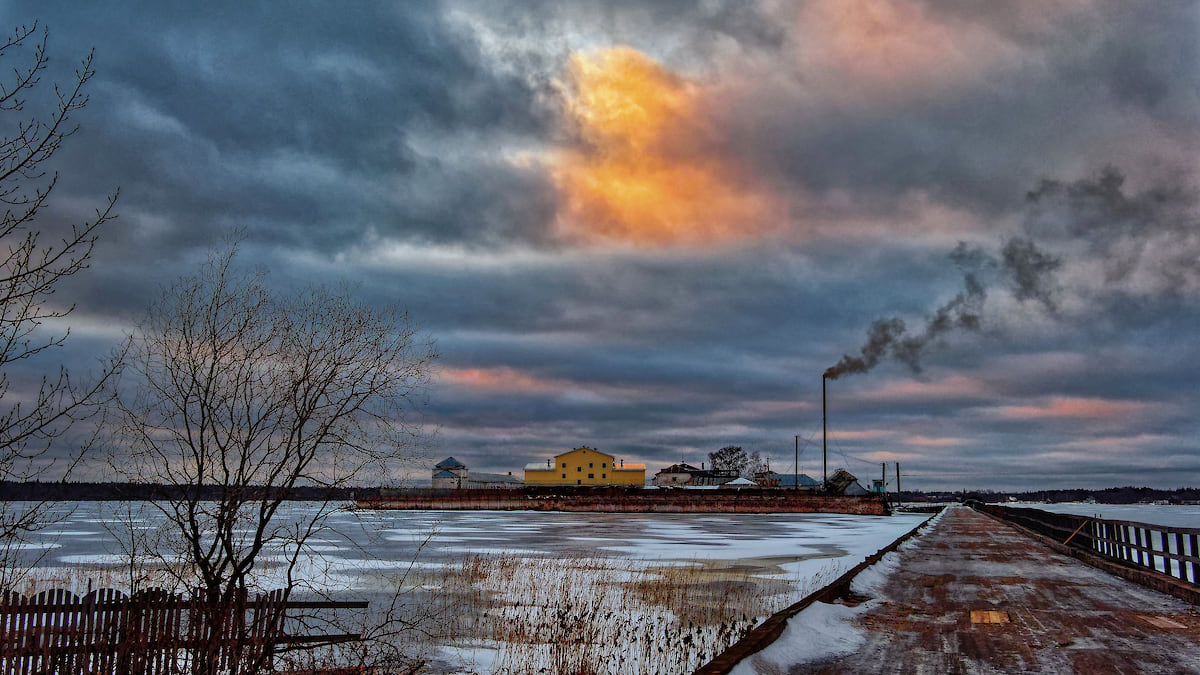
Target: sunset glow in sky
<point x="650" y="227"/>
<point x="640" y="174"/>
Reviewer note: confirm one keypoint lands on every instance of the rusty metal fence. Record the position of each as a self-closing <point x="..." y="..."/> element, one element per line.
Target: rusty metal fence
<point x="151" y="633"/>
<point x="1173" y="551"/>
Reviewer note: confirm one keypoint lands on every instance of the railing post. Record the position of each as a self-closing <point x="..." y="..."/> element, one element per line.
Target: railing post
<point x="1162" y="539"/>
<point x="1195" y="553"/>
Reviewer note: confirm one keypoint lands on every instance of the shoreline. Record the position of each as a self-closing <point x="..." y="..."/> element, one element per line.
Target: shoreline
<point x="627" y="500"/>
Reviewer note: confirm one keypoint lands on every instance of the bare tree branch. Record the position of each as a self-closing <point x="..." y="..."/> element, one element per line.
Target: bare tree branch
<point x="32" y="265"/>
<point x="255" y="392"/>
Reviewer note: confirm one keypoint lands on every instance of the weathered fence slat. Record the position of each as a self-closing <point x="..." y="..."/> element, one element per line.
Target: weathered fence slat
<point x="151" y="633"/>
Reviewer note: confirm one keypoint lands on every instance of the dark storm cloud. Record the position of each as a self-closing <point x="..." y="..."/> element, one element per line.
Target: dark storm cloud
<point x="974" y="142"/>
<point x="1156" y="230"/>
<point x="300" y="126"/>
<point x="692" y="26"/>
<point x="411" y="149"/>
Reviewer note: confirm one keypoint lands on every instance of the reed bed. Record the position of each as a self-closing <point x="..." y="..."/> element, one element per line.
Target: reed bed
<point x="513" y="614"/>
<point x="594" y="616"/>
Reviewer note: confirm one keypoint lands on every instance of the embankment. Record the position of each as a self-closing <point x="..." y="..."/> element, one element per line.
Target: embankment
<point x="626" y="500"/>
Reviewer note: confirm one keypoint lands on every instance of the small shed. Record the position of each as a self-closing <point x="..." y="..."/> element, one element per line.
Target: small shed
<point x="444" y="480"/>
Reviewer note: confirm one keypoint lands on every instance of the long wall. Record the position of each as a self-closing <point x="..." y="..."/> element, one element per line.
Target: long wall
<point x="627" y="500"/>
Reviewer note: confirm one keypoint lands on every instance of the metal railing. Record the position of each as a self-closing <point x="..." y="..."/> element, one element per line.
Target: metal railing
<point x="1172" y="551"/>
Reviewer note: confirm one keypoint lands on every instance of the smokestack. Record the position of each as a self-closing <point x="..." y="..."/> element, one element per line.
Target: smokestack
<point x="824" y="438"/>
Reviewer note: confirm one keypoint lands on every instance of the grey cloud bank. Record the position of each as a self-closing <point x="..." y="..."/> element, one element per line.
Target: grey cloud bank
<point x="420" y="152"/>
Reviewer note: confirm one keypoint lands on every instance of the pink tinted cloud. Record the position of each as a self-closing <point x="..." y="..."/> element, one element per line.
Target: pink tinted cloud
<point x="865" y="434"/>
<point x="953" y="387"/>
<point x="1072" y="408"/>
<point x="890" y="50"/>
<point x="1116" y="444"/>
<point x="937" y="442"/>
<point x="760" y="410"/>
<point x="892" y="456"/>
<point x="500" y="379"/>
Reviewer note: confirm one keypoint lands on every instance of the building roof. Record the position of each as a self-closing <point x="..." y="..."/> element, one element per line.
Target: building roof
<point x="481" y="477"/>
<point x="450" y="463"/>
<point x="741" y="481"/>
<point x="445" y="474"/>
<point x="855" y="489"/>
<point x="583" y="447"/>
<point x="617" y="465"/>
<point x="682" y="467"/>
<point x="792" y="480"/>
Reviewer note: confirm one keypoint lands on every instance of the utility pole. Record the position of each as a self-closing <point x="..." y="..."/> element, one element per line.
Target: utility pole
<point x="796" y="466"/>
<point x="897" y="476"/>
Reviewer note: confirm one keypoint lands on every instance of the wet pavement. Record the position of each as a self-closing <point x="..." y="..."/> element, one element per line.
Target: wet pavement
<point x="973" y="595"/>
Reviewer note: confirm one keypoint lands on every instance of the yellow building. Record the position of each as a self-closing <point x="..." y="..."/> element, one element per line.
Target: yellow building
<point x="585" y="466"/>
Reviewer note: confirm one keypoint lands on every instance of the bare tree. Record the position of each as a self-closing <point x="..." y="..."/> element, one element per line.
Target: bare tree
<point x="33" y="263"/>
<point x="754" y="465"/>
<point x="243" y="393"/>
<point x="729" y="458"/>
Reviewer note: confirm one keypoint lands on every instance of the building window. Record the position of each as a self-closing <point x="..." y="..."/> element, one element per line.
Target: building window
<point x="590" y="466"/>
<point x="564" y="465"/>
<point x="564" y="475"/>
<point x="579" y="469"/>
<point x="579" y="482"/>
<point x="604" y="475"/>
<point x="603" y="465"/>
<point x="591" y="475"/>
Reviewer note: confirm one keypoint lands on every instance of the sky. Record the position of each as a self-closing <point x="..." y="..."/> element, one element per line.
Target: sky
<point x="652" y="227"/>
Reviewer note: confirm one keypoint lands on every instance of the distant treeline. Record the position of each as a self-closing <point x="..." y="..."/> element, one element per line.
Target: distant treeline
<point x="82" y="492"/>
<point x="1115" y="495"/>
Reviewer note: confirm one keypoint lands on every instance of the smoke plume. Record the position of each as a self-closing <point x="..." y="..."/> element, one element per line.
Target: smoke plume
<point x="1031" y="272"/>
<point x="889" y="338"/>
<point x="1154" y="232"/>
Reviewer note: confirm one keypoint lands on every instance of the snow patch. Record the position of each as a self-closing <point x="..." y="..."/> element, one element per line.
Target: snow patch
<point x="821" y="632"/>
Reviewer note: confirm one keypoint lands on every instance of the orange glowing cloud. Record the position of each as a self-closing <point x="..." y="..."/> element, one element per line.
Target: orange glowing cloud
<point x="643" y="174"/>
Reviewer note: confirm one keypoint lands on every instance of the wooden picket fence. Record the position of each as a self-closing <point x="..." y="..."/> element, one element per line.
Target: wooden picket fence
<point x="153" y="632"/>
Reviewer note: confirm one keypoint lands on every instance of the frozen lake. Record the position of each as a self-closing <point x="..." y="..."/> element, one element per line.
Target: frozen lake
<point x="90" y="533"/>
<point x="1154" y="514"/>
<point x="501" y="583"/>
